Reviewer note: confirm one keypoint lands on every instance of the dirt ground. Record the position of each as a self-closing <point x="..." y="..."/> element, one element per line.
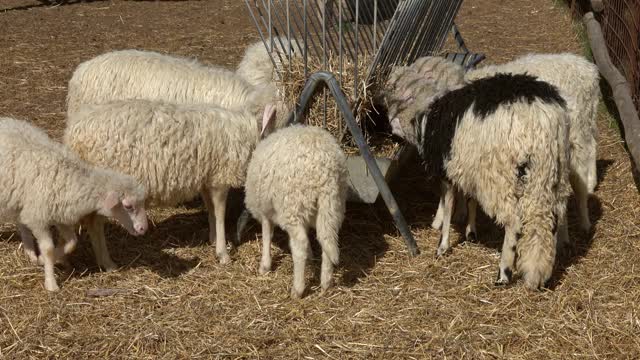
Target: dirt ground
<point x="177" y="302"/>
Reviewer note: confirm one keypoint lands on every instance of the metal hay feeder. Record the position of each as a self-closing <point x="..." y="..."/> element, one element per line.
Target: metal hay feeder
<point x="389" y="33"/>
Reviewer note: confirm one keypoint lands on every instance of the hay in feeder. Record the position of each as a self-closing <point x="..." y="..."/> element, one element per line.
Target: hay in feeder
<point x="330" y="117"/>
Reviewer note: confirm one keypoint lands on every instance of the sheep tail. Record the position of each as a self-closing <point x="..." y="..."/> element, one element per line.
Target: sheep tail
<point x="328" y="222"/>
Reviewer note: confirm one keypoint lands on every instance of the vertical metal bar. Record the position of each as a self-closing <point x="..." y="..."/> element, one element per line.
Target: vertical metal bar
<point x="384" y="43"/>
<point x="364" y="32"/>
<point x="340" y="38"/>
<point x="304" y="31"/>
<point x="324" y="62"/>
<point x="426" y="34"/>
<point x="355" y="68"/>
<point x="349" y="38"/>
<point x="269" y="27"/>
<point x="289" y="34"/>
<point x="270" y="47"/>
<point x="340" y="124"/>
<point x="318" y="9"/>
<point x="306" y="34"/>
<point x="375" y="25"/>
<point x="255" y="21"/>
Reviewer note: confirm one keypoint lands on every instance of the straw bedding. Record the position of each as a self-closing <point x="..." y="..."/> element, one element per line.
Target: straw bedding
<point x="172" y="300"/>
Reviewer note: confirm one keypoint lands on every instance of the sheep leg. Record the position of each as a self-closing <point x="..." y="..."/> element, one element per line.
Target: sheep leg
<point x="470" y="231"/>
<point x="582" y="196"/>
<point x="508" y="256"/>
<point x="70" y="238"/>
<point x="326" y="272"/>
<point x="449" y="202"/>
<point x="47" y="249"/>
<point x="216" y="201"/>
<point x="28" y="243"/>
<point x="95" y="227"/>
<point x="562" y="235"/>
<point x="267" y="235"/>
<point x="69" y="241"/>
<point x="437" y="220"/>
<point x="592" y="172"/>
<point x="460" y="210"/>
<point x="299" y="243"/>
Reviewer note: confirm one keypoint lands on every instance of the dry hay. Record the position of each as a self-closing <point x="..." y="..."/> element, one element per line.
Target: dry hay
<point x="171" y="300"/>
<point x="293" y="81"/>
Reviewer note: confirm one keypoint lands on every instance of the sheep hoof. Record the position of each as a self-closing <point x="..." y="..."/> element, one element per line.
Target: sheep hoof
<point x="296" y="294"/>
<point x="51" y="285"/>
<point x="472" y="237"/>
<point x="534" y="282"/>
<point x="109" y="266"/>
<point x="504" y="277"/>
<point x="224" y="259"/>
<point x="325" y="287"/>
<point x="442" y="251"/>
<point x="263" y="270"/>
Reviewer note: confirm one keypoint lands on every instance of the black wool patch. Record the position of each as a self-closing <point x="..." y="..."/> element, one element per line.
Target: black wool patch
<point x="485" y="95"/>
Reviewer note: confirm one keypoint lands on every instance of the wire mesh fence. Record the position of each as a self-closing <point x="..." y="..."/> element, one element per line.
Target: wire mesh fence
<point x="620" y="21"/>
<point x="621" y="28"/>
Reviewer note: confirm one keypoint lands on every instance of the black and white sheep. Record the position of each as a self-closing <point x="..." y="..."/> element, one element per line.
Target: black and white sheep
<point x="502" y="141"/>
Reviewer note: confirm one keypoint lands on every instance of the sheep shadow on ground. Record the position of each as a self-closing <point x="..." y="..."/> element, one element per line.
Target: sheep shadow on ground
<point x="361" y="240"/>
<point x="126" y="251"/>
<point x="134" y="252"/>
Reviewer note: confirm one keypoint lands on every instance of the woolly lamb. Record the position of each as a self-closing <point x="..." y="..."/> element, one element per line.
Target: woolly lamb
<point x="502" y="141"/>
<point x="46" y="185"/>
<point x="574" y="75"/>
<point x="176" y="151"/>
<point x="134" y="74"/>
<point x="297" y="178"/>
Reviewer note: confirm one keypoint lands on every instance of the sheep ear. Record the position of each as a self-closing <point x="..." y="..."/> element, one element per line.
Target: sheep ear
<point x="111" y="200"/>
<point x="268" y="120"/>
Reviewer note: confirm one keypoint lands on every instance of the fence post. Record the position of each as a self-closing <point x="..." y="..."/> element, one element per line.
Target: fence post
<point x="619" y="86"/>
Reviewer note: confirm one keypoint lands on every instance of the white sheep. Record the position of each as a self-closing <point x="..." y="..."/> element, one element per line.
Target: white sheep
<point x="135" y="74"/>
<point x="503" y="141"/>
<point x="176" y="151"/>
<point x="297" y="179"/>
<point x="44" y="184"/>
<point x="579" y="77"/>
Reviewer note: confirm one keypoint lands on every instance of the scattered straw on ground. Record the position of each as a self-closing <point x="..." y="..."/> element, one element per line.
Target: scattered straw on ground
<point x="172" y="299"/>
